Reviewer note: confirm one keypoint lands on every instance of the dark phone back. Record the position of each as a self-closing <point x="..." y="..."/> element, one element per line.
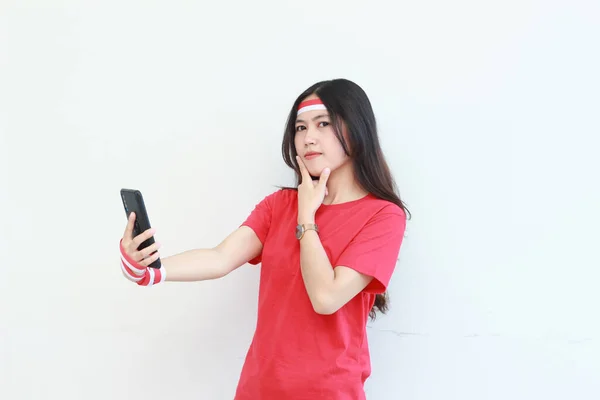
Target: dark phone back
<point x="133" y="201"/>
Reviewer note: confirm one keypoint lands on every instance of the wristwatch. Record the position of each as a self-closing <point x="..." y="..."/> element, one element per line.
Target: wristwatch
<point x="301" y="229"/>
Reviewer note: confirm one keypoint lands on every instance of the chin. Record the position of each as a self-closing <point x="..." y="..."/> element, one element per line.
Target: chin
<point x="316" y="174"/>
<point x="316" y="169"/>
<point x="317" y="166"/>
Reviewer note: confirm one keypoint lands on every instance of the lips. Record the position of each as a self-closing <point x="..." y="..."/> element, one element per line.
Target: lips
<point x="310" y="155"/>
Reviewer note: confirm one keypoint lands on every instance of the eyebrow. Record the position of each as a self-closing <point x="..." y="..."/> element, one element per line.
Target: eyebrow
<point x="314" y="118"/>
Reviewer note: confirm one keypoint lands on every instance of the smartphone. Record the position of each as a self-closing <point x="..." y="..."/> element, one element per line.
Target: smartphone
<point x="133" y="201"/>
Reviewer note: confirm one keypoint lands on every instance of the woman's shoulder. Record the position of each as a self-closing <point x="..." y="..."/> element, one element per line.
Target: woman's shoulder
<point x="379" y="206"/>
<point x="281" y="196"/>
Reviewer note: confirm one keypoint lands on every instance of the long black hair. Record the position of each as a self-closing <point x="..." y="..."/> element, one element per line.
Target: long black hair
<point x="348" y="102"/>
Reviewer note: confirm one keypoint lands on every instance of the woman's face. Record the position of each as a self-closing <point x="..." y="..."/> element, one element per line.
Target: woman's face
<point x="316" y="142"/>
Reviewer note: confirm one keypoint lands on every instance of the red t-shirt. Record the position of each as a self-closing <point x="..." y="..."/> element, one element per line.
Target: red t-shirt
<point x="299" y="354"/>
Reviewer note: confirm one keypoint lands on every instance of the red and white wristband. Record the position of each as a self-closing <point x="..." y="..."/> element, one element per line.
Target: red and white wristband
<point x="143" y="276"/>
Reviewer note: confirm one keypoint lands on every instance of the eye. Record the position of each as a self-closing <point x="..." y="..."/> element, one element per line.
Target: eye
<point x="323" y="124"/>
<point x="300" y="128"/>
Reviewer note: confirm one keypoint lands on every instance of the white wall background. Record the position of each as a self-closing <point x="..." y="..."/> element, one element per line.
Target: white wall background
<point x="489" y="118"/>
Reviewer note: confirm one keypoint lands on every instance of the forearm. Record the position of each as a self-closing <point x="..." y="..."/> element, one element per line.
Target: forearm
<point x="194" y="265"/>
<point x="317" y="271"/>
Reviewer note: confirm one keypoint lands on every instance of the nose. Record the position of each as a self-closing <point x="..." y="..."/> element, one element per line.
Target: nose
<point x="310" y="137"/>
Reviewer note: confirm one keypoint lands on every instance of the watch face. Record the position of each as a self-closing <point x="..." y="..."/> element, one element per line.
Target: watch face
<point x="298" y="231"/>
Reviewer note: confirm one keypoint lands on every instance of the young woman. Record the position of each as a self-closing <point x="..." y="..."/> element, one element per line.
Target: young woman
<point x="328" y="249"/>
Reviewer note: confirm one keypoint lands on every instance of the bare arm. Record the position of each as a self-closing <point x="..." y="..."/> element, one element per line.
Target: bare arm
<point x="237" y="249"/>
<point x="328" y="288"/>
<point x="203" y="264"/>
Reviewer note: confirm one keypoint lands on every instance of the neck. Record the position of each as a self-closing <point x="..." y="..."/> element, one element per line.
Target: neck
<point x="342" y="186"/>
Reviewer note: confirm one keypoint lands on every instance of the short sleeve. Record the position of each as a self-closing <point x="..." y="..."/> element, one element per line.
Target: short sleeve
<point x="374" y="250"/>
<point x="259" y="221"/>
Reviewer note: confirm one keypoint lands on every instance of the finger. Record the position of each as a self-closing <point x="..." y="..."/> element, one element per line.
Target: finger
<point x="148" y="250"/>
<point x="316" y="183"/>
<point x="323" y="178"/>
<point x="128" y="234"/>
<point x="147" y="261"/>
<point x="303" y="171"/>
<point x="142" y="237"/>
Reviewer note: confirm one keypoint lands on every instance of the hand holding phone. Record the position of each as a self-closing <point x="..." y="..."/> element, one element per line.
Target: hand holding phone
<point x="138" y="238"/>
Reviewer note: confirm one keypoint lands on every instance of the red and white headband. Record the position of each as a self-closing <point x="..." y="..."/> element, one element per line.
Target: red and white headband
<point x="310" y="105"/>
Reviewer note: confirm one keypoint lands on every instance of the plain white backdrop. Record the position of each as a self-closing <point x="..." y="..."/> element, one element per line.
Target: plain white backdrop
<point x="488" y="114"/>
